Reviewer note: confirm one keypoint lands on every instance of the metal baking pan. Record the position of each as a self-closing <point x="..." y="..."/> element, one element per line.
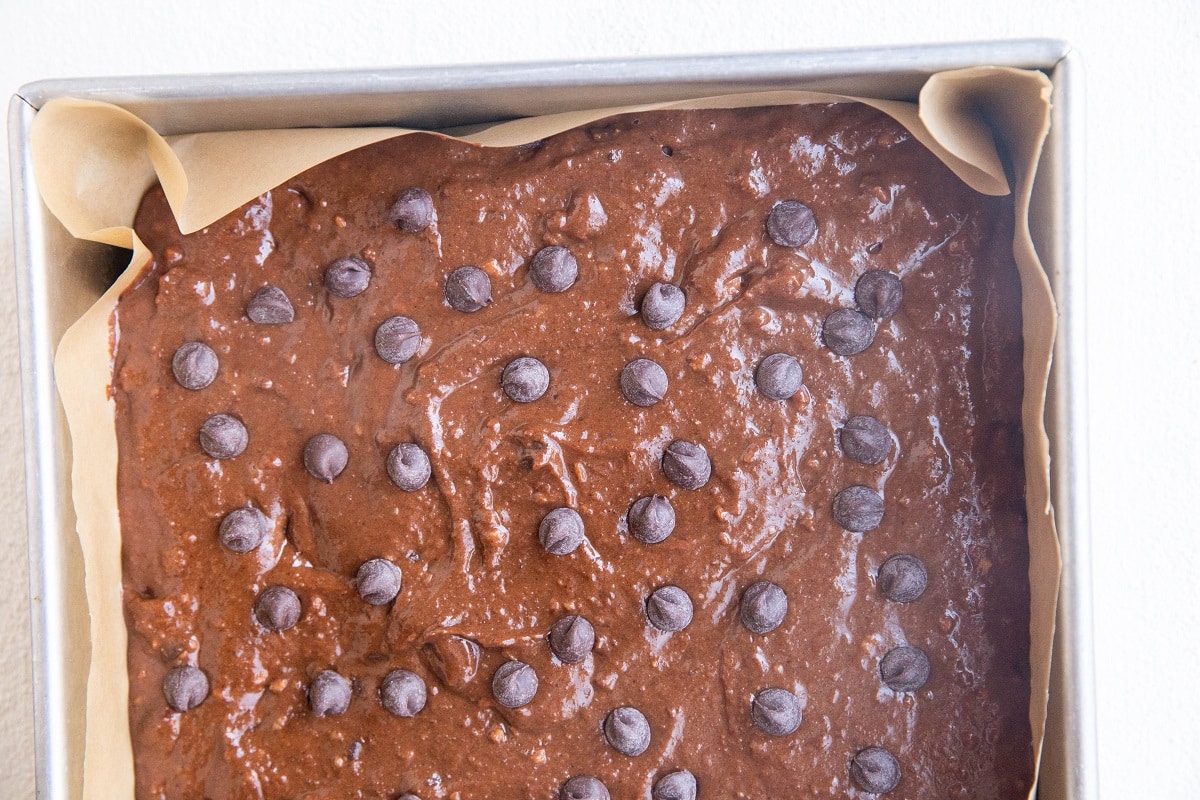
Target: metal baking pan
<point x="58" y="277"/>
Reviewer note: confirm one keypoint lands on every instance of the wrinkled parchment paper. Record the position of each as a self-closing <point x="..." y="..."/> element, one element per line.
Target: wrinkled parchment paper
<point x="94" y="161"/>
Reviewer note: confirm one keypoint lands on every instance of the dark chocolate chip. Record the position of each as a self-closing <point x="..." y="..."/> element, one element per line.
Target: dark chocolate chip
<point x="408" y="466"/>
<point x="378" y="581"/>
<point x="402" y="693"/>
<point x="347" y="277"/>
<point x="329" y="694"/>
<point x="397" y="339"/>
<point x="223" y="436"/>
<point x="553" y="269"/>
<point x="791" y="224"/>
<point x="662" y="305"/>
<point x="875" y="770"/>
<point x="325" y="456"/>
<point x="627" y="730"/>
<point x="514" y="684"/>
<point x="277" y="608"/>
<point x="525" y="379"/>
<point x="686" y="464"/>
<point x="270" y="306"/>
<point x="902" y="578"/>
<point x="763" y="607"/>
<point x="858" y="509"/>
<point x="561" y="531"/>
<point x="583" y="787"/>
<point x="778" y="376"/>
<point x="195" y="365"/>
<point x="243" y="529"/>
<point x="776" y="712"/>
<point x="865" y="440"/>
<point x="878" y="293"/>
<point x="185" y="688"/>
<point x="468" y="289"/>
<point x="572" y="639"/>
<point x="651" y="519"/>
<point x="669" y="609"/>
<point x="678" y="785"/>
<point x="847" y="332"/>
<point x="413" y="210"/>
<point x="643" y="382"/>
<point x="904" y="669"/>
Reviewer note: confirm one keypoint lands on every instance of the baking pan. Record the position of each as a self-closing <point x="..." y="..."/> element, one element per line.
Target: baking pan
<point x="58" y="277"/>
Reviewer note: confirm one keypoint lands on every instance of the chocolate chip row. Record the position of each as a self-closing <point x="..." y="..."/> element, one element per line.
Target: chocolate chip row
<point x="858" y="508"/>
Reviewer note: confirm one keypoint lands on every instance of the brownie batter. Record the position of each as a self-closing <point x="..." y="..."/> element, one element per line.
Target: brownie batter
<point x="679" y="455"/>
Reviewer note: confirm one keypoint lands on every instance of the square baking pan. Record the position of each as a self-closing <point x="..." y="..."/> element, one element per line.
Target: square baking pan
<point x="58" y="277"/>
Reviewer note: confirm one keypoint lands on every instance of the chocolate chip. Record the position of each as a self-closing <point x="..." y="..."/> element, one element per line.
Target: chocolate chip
<point x="669" y="609"/>
<point x="195" y="365"/>
<point x="223" y="436"/>
<point x="875" y="770"/>
<point x="329" y="694"/>
<point x="185" y="688"/>
<point x="627" y="731"/>
<point x="776" y="712"/>
<point x="763" y="607"/>
<point x="865" y="440"/>
<point x="878" y="293"/>
<point x="468" y="289"/>
<point x="791" y="224"/>
<point x="408" y="466"/>
<point x="662" y="305"/>
<point x="643" y="382"/>
<point x="413" y="210"/>
<point x="243" y="529"/>
<point x="572" y="639"/>
<point x="678" y="785"/>
<point x="686" y="464"/>
<point x="347" y="277"/>
<point x="778" y="376"/>
<point x="902" y="578"/>
<point x="270" y="306"/>
<point x="397" y="339"/>
<point x="561" y="531"/>
<point x="277" y="608"/>
<point x="402" y="693"/>
<point x="514" y="684"/>
<point x="858" y="509"/>
<point x="325" y="456"/>
<point x="378" y="581"/>
<point x="847" y="332"/>
<point x="408" y="797"/>
<point x="651" y="519"/>
<point x="904" y="669"/>
<point x="553" y="269"/>
<point x="583" y="787"/>
<point x="525" y="379"/>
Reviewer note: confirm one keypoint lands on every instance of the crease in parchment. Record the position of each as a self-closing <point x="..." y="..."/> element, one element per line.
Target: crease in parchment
<point x="94" y="162"/>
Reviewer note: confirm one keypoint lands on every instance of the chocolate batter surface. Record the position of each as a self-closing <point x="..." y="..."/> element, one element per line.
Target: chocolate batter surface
<point x="679" y="198"/>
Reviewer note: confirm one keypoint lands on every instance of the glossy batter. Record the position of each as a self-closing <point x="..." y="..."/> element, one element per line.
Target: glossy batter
<point x="281" y="705"/>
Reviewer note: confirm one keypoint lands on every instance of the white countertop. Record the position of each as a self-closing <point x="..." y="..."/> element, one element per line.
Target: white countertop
<point x="1141" y="63"/>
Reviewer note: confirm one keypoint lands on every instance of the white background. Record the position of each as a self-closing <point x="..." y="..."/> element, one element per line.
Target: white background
<point x="1141" y="61"/>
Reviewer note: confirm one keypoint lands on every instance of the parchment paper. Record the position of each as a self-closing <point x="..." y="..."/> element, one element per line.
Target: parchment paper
<point x="94" y="161"/>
